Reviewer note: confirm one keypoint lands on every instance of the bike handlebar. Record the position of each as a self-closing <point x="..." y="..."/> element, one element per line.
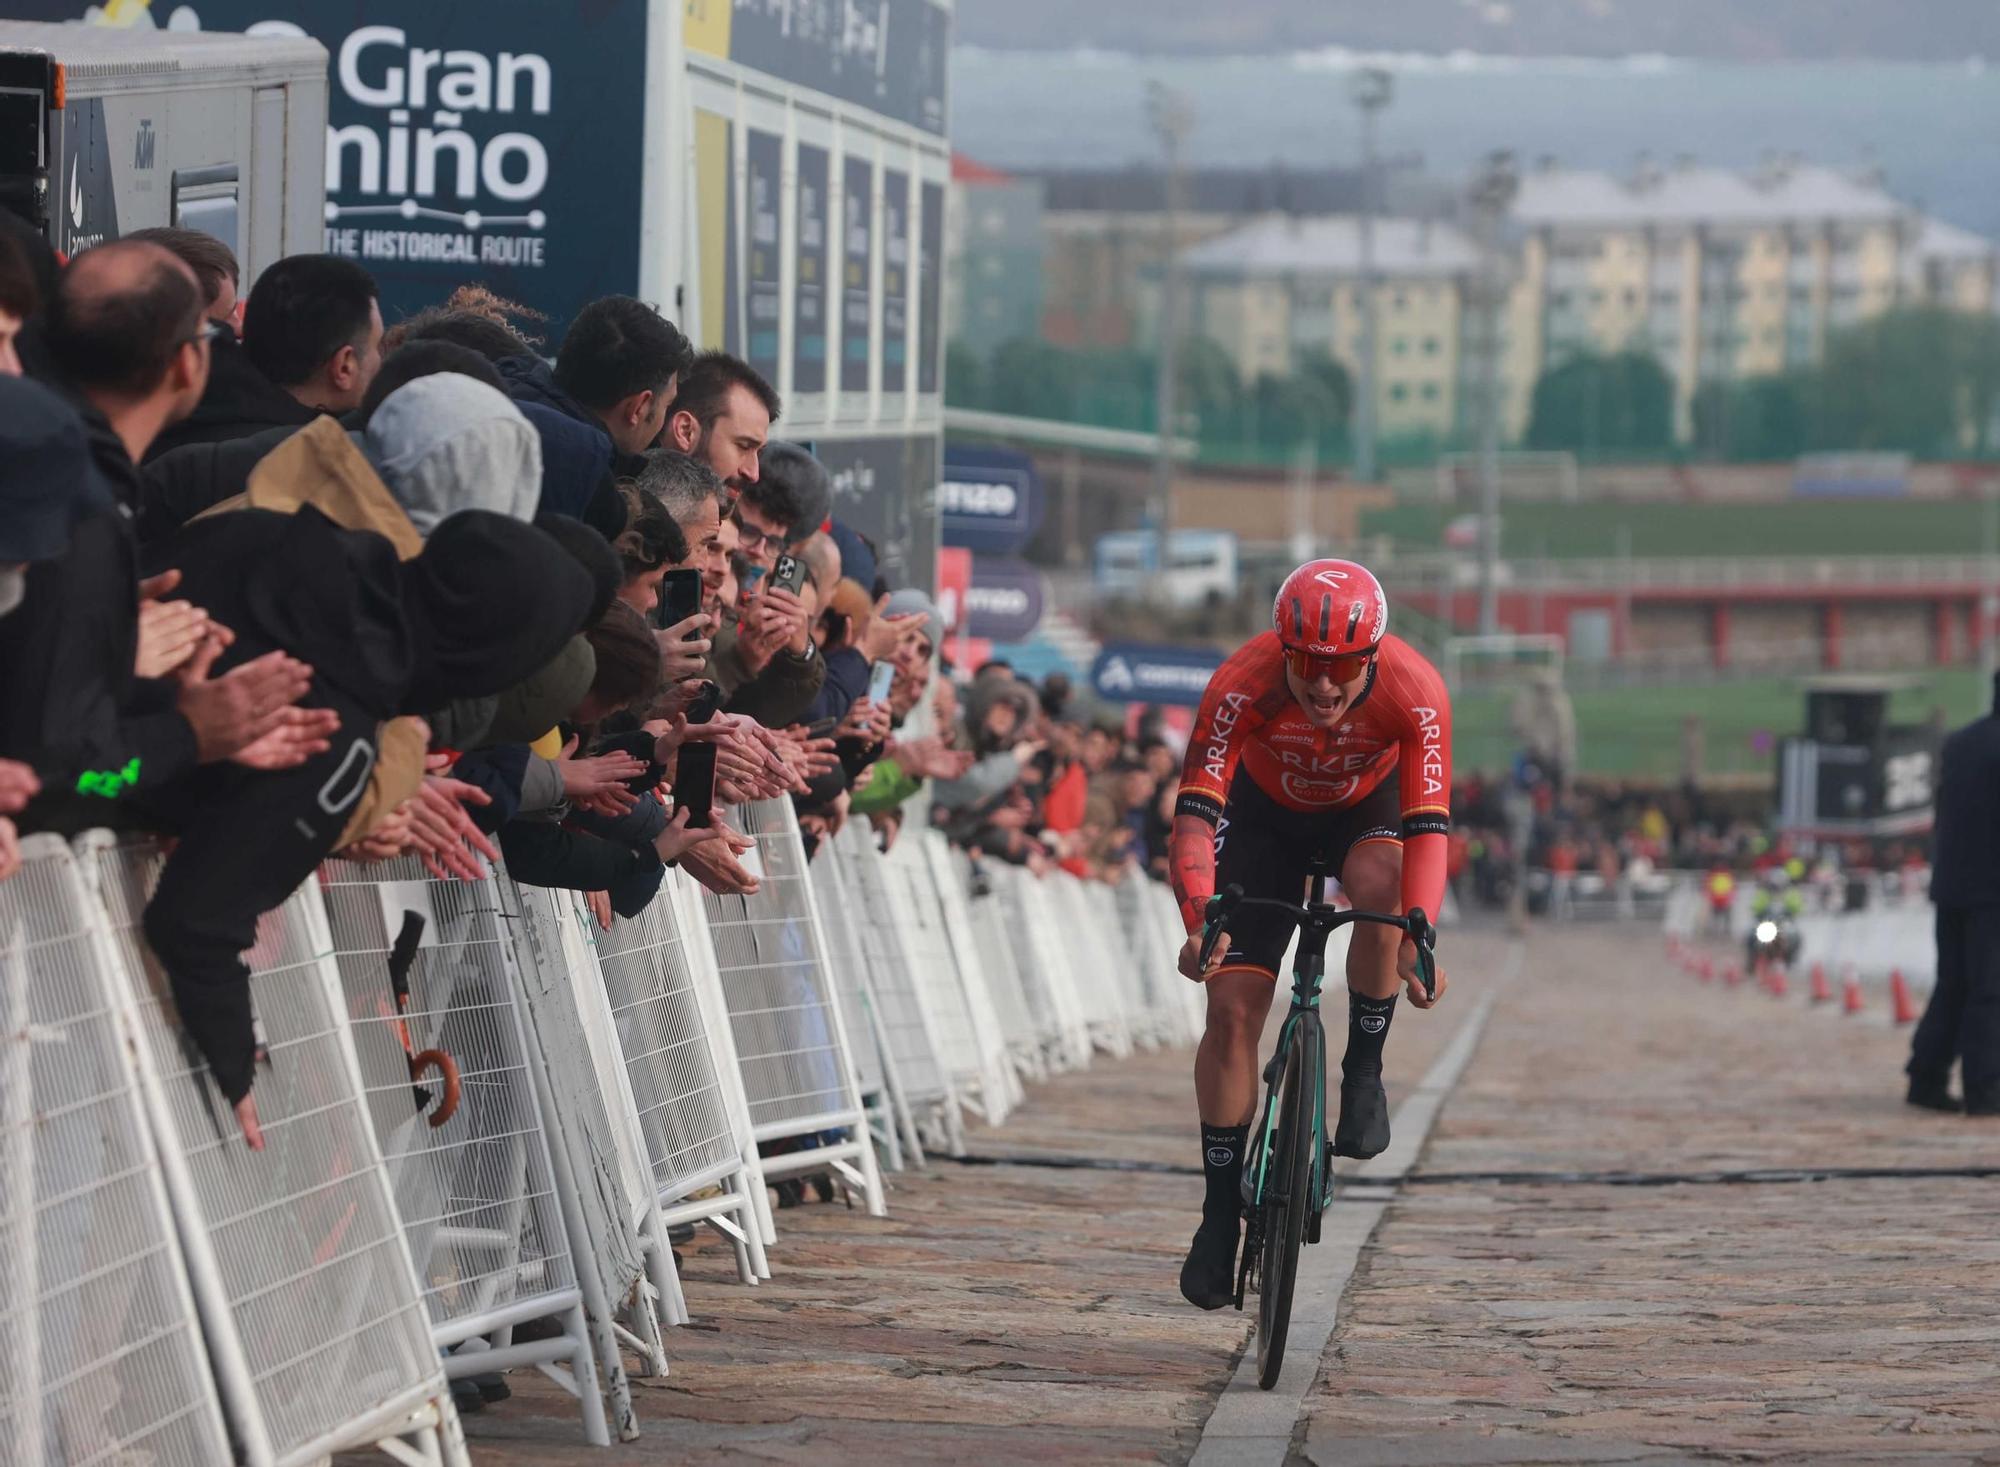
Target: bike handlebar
<point x="1231" y="899"/>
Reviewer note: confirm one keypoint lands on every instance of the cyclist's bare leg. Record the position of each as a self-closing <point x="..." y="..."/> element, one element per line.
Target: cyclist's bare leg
<point x="1227" y="1061"/>
<point x="1373" y="879"/>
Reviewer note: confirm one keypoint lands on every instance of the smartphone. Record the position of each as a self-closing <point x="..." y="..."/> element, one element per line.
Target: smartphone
<point x="706" y="701"/>
<point x="694" y="783"/>
<point x="789" y="572"/>
<point x="880" y="678"/>
<point x="680" y="598"/>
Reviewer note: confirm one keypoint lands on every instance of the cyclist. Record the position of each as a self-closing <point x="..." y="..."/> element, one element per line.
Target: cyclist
<point x="1323" y="745"/>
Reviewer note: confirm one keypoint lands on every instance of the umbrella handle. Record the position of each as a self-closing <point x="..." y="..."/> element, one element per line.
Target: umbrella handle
<point x="447" y="1071"/>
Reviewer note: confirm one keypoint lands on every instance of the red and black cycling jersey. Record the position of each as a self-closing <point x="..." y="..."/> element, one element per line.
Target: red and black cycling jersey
<point x="1400" y="725"/>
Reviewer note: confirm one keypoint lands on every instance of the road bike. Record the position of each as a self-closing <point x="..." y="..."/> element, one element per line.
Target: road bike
<point x="1287" y="1171"/>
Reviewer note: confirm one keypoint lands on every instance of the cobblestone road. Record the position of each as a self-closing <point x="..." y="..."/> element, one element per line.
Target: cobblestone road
<point x="1026" y="1313"/>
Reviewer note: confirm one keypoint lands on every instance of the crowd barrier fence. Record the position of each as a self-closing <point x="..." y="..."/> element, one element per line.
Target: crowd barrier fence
<point x="481" y="1111"/>
<point x="1894" y="934"/>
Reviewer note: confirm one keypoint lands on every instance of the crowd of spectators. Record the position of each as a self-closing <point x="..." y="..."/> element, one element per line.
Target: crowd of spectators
<point x="280" y="582"/>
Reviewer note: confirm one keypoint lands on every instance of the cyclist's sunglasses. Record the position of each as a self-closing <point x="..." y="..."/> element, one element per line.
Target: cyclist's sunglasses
<point x="1342" y="669"/>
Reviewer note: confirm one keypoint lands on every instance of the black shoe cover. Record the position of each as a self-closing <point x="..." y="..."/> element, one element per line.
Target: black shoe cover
<point x="1208" y="1278"/>
<point x="1364" y="1119"/>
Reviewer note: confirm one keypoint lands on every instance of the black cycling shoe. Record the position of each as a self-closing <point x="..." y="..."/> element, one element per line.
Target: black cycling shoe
<point x="1208" y="1277"/>
<point x="1364" y="1119"/>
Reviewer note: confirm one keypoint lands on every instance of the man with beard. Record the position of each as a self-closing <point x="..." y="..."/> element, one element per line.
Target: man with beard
<point x="723" y="416"/>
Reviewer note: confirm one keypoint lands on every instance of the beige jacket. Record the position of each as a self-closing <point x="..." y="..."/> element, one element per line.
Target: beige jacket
<point x="319" y="465"/>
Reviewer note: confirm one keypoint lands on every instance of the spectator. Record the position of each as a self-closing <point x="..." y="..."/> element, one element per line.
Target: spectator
<point x="775" y="504"/>
<point x="214" y="265"/>
<point x="651" y="545"/>
<point x="89" y="701"/>
<point x="28" y="269"/>
<point x="724" y="417"/>
<point x="179" y="485"/>
<point x="42" y="467"/>
<point x="1962" y="1019"/>
<point x="19" y="299"/>
<point x="691" y="494"/>
<point x="619" y="367"/>
<point x="312" y="342"/>
<point x="386" y="637"/>
<point x="446" y="443"/>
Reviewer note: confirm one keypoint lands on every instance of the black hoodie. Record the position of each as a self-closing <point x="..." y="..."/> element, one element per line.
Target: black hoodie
<point x="239" y="401"/>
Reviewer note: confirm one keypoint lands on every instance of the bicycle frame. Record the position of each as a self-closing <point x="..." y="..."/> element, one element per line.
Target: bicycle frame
<point x="1317" y="921"/>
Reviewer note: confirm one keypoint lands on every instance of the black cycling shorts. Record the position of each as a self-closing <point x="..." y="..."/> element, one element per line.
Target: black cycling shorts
<point x="1269" y="851"/>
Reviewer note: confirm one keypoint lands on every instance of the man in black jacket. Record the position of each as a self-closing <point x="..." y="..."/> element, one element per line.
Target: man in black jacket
<point x="1962" y="1021"/>
<point x="618" y="369"/>
<point x="312" y="342"/>
<point x="126" y="328"/>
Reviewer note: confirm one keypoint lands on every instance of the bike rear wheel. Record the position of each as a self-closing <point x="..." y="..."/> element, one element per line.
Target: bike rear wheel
<point x="1288" y="1201"/>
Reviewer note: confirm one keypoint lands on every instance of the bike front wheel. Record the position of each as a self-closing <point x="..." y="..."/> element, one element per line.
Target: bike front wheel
<point x="1288" y="1202"/>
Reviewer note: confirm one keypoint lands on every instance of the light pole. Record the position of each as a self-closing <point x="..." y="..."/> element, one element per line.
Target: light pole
<point x="1172" y="117"/>
<point x="1371" y="89"/>
<point x="1492" y="195"/>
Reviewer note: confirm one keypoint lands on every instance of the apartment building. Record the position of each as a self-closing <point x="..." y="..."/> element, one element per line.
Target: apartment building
<point x="1719" y="274"/>
<point x="1284" y="288"/>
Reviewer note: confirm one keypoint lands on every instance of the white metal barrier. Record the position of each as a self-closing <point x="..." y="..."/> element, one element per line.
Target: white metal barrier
<point x="1043" y="959"/>
<point x="164" y="1280"/>
<point x="701" y="1160"/>
<point x="890" y="1116"/>
<point x="960" y="1013"/>
<point x="594" y="1130"/>
<point x="297" y="1259"/>
<point x="426" y="969"/>
<point x="915" y="1055"/>
<point x="791" y="1042"/>
<point x="103" y="1354"/>
<point x="987" y="923"/>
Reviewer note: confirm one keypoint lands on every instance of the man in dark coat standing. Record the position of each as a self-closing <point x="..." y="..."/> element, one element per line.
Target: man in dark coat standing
<point x="1963" y="1019"/>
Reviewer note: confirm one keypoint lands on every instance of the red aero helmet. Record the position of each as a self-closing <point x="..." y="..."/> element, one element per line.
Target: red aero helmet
<point x="1330" y="608"/>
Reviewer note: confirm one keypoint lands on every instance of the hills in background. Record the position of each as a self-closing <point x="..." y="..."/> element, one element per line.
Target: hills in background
<point x="1733" y="30"/>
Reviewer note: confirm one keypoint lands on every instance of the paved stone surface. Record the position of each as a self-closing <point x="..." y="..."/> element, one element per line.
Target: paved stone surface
<point x="1833" y="1321"/>
<point x="1026" y="1313"/>
<point x="1010" y="1312"/>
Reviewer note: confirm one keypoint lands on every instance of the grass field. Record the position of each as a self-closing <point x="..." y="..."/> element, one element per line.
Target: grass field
<point x="1835" y="527"/>
<point x="1636" y="732"/>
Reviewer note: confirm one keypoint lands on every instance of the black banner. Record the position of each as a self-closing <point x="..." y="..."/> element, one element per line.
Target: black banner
<point x="857" y="312"/>
<point x="886" y="55"/>
<point x="809" y="309"/>
<point x="930" y="314"/>
<point x="764" y="153"/>
<point x="895" y="281"/>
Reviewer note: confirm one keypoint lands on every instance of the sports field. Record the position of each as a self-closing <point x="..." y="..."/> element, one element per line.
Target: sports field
<point x="1636" y="732"/>
<point x="1819" y="527"/>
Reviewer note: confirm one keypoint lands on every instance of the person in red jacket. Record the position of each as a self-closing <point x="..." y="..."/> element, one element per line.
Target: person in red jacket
<point x="1324" y="745"/>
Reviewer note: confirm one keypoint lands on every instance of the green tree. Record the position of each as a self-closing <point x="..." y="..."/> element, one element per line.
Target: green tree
<point x="1757" y="420"/>
<point x="964" y="376"/>
<point x="1032" y="379"/>
<point x="1923" y="380"/>
<point x="1622" y="404"/>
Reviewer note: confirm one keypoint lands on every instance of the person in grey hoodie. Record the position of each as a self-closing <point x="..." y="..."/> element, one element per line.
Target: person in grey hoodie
<point x="446" y="443"/>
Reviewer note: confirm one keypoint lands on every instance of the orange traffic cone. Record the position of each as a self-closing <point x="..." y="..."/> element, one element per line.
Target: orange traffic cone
<point x="1732" y="975"/>
<point x="1707" y="970"/>
<point x="1850" y="1002"/>
<point x="1777" y="985"/>
<point x="1822" y="992"/>
<point x="1901" y="1003"/>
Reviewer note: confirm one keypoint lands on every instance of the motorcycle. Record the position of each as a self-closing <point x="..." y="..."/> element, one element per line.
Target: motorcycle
<point x="1774" y="937"/>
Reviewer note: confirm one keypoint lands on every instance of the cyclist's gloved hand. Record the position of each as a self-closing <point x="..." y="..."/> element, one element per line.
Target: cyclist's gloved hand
<point x="1413" y="982"/>
<point x="1191" y="956"/>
